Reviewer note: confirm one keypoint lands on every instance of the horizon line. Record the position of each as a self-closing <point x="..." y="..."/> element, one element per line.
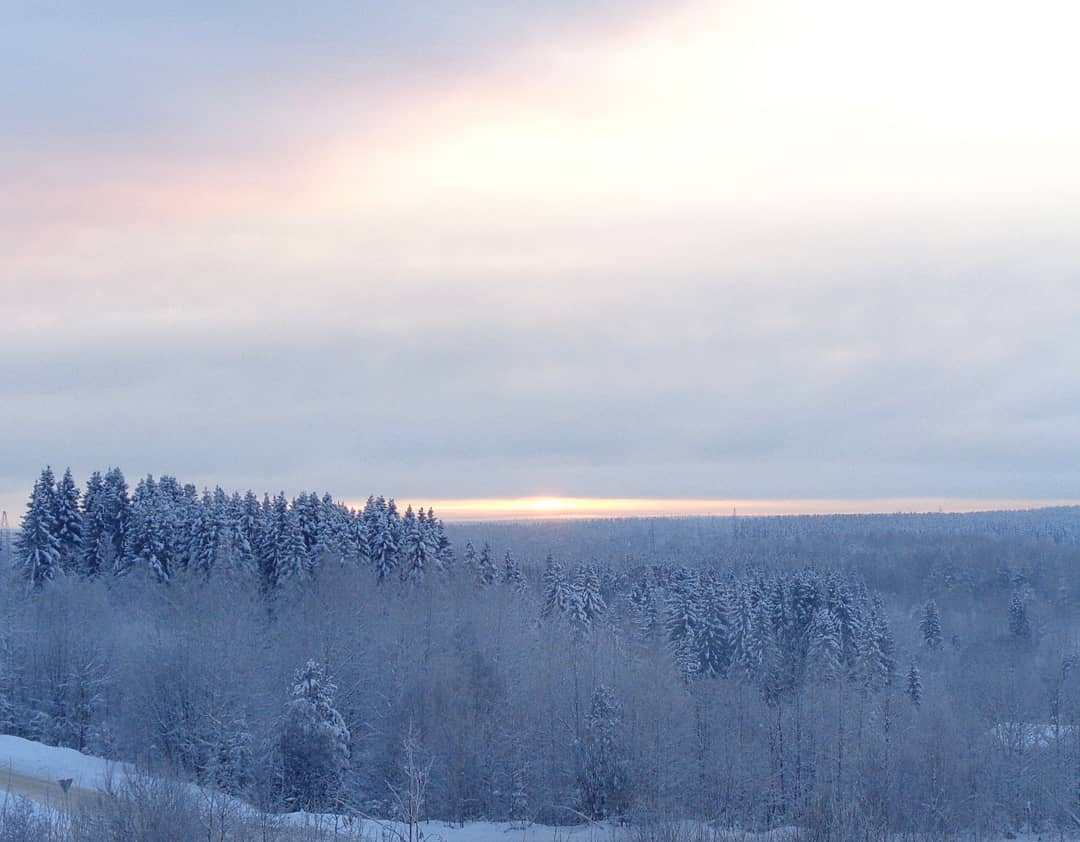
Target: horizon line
<point x="550" y="507"/>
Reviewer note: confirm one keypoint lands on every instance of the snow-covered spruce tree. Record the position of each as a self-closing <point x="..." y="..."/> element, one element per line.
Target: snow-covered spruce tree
<point x="116" y="512"/>
<point x="295" y="558"/>
<point x="557" y="593"/>
<point x="207" y="538"/>
<point x="602" y="776"/>
<point x="745" y="652"/>
<point x="878" y="651"/>
<point x="95" y="550"/>
<point x="511" y="574"/>
<point x="283" y="553"/>
<point x="330" y="534"/>
<point x="239" y="537"/>
<point x="69" y="522"/>
<point x="416" y="555"/>
<point x="712" y="639"/>
<point x="177" y="508"/>
<point x="468" y="559"/>
<point x="147" y="538"/>
<point x="682" y="621"/>
<point x="37" y="548"/>
<point x="305" y="510"/>
<point x="930" y="625"/>
<point x="394" y="530"/>
<point x="589" y="594"/>
<point x="383" y="539"/>
<point x="586" y="602"/>
<point x="1019" y="625"/>
<point x="358" y="539"/>
<point x="847" y="605"/>
<point x="314" y="743"/>
<point x="824" y="646"/>
<point x="914" y="685"/>
<point x="444" y="550"/>
<point x="486" y="572"/>
<point x="373" y="522"/>
<point x="271" y="530"/>
<point x="429" y="540"/>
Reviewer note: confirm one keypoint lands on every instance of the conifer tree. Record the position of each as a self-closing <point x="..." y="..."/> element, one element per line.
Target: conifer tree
<point x="37" y="548"/>
<point x="824" y="653"/>
<point x="294" y="559"/>
<point x="712" y="639"/>
<point x="206" y="538"/>
<point x="512" y="573"/>
<point x="394" y="530"/>
<point x="557" y="593"/>
<point x="69" y="526"/>
<point x="383" y="539"/>
<point x="358" y="535"/>
<point x="930" y="626"/>
<point x="681" y="622"/>
<point x="240" y="524"/>
<point x="416" y="546"/>
<point x="846" y="606"/>
<point x="429" y="539"/>
<point x="602" y="778"/>
<point x="914" y="685"/>
<point x="486" y="571"/>
<point x="468" y="559"/>
<point x="147" y="532"/>
<point x="745" y="651"/>
<point x="879" y="649"/>
<point x="1019" y="626"/>
<point x="116" y="511"/>
<point x="590" y="595"/>
<point x="95" y="551"/>
<point x="314" y="742"/>
<point x="444" y="550"/>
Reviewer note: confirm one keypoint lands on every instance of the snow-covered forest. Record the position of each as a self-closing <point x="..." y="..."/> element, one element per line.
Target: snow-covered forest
<point x="845" y="675"/>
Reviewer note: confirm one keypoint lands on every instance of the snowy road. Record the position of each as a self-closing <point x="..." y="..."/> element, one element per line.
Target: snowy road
<point x="48" y="792"/>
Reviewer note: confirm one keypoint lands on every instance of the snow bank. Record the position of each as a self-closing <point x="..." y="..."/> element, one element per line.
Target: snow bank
<point x="51" y="763"/>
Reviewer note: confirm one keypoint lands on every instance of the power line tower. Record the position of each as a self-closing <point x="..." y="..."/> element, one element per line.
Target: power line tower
<point x="5" y="535"/>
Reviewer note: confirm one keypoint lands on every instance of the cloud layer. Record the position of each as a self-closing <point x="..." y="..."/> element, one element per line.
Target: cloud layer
<point x="706" y="250"/>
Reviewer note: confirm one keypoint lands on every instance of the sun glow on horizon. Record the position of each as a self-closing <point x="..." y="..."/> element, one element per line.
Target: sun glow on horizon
<point x="581" y="508"/>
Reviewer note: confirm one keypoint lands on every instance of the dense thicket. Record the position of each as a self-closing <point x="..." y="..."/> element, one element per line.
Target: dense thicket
<point x="304" y="655"/>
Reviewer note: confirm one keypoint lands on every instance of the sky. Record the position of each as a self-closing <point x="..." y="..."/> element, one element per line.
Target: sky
<point x="764" y="250"/>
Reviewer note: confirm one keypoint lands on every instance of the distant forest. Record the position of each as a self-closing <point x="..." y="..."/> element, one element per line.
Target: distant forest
<point x="853" y="675"/>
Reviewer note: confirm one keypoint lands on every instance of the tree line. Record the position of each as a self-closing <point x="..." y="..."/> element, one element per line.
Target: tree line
<point x="164" y="527"/>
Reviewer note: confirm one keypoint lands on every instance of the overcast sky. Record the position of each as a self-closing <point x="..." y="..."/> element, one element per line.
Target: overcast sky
<point x="495" y="249"/>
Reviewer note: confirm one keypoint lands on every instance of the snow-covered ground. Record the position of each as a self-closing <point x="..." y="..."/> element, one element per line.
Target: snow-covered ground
<point x="53" y="764"/>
